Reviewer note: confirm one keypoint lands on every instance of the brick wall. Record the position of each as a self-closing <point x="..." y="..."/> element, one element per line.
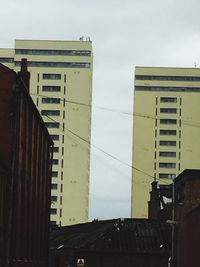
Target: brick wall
<point x="187" y="198"/>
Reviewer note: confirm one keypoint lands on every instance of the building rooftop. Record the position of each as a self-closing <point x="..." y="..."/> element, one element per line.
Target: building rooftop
<point x="119" y="235"/>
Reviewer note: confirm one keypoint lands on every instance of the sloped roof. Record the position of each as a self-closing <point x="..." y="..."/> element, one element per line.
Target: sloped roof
<point x="121" y="235"/>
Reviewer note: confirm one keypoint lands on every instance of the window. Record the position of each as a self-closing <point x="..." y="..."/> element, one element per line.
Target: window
<point x="168" y="100"/>
<point x="166" y="78"/>
<point x="167" y="165"/>
<point x="54" y="198"/>
<point x="167" y="89"/>
<point x="167" y="175"/>
<point x="48" y="100"/>
<point x="167" y="154"/>
<point x="53" y="52"/>
<point x="53" y="211"/>
<point x="55" y="137"/>
<point x="55" y="149"/>
<point x="6" y="59"/>
<point x="52" y="124"/>
<point x="51" y="88"/>
<point x="51" y="76"/>
<point x="167" y="143"/>
<point x="50" y="112"/>
<point x="55" y="64"/>
<point x="54" y="186"/>
<point x="168" y="110"/>
<point x="167" y="132"/>
<point x="168" y="121"/>
<point x="55" y="161"/>
<point x="54" y="174"/>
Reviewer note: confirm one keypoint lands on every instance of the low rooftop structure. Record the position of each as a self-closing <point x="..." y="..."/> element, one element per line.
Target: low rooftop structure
<point x="132" y="239"/>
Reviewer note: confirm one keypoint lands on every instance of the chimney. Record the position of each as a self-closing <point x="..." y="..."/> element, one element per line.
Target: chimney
<point x="153" y="204"/>
<point x="24" y="74"/>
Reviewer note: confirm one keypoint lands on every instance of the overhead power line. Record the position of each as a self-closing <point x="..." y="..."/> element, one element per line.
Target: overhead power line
<point x="86" y="105"/>
<point x="108" y="154"/>
<point x="146" y="116"/>
<point x="88" y="142"/>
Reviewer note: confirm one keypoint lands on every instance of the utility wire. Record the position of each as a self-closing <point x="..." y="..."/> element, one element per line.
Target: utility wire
<point x="108" y="154"/>
<point x="88" y="142"/>
<point x="87" y="105"/>
<point x="147" y="116"/>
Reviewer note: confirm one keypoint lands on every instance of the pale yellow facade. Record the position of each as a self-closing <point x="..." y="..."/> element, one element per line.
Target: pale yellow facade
<point x="166" y="131"/>
<point x="61" y="87"/>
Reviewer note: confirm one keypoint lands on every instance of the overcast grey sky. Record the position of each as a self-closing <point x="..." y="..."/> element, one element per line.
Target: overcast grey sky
<point x="125" y="34"/>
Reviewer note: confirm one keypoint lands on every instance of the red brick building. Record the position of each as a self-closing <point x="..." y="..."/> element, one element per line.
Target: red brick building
<point x="186" y="210"/>
<point x="139" y="242"/>
<point x="192" y="238"/>
<point x="25" y="174"/>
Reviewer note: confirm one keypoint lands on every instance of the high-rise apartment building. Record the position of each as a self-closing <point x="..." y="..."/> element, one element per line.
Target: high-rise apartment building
<point x="166" y="134"/>
<point x="61" y="87"/>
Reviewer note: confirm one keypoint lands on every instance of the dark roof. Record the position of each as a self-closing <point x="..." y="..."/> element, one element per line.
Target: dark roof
<point x="2" y="66"/>
<point x="121" y="235"/>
